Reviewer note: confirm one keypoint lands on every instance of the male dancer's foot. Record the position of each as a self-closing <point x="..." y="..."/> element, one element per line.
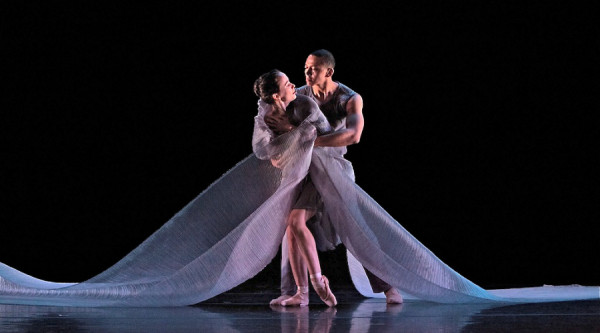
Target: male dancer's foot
<point x="321" y="286"/>
<point x="392" y="296"/>
<point x="300" y="299"/>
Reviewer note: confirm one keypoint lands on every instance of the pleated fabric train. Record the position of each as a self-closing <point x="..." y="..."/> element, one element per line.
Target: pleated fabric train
<point x="233" y="230"/>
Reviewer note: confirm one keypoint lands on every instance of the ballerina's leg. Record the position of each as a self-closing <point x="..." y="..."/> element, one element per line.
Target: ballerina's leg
<point x="302" y="241"/>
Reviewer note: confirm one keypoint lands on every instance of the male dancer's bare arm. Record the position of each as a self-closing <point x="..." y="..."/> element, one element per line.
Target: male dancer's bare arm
<point x="355" y="123"/>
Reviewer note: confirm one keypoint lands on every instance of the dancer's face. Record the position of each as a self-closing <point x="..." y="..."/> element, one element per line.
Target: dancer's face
<point x="287" y="90"/>
<point x="315" y="71"/>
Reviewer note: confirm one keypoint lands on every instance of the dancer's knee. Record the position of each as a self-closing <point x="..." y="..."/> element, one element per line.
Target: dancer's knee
<point x="296" y="221"/>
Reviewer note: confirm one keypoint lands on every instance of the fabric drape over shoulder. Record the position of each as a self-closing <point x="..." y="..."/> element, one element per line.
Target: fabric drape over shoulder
<point x="234" y="228"/>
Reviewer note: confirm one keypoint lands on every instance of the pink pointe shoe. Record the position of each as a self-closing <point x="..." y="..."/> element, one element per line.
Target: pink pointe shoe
<point x="278" y="300"/>
<point x="325" y="293"/>
<point x="300" y="299"/>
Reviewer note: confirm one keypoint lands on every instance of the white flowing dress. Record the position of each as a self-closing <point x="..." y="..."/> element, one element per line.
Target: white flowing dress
<point x="233" y="230"/>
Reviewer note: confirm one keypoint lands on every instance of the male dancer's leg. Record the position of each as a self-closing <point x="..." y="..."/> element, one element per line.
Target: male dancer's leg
<point x="392" y="296"/>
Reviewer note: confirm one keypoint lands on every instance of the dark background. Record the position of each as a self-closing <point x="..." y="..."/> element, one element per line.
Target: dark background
<point x="479" y="136"/>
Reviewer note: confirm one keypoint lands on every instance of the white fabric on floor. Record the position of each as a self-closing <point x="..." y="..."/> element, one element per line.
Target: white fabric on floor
<point x="233" y="229"/>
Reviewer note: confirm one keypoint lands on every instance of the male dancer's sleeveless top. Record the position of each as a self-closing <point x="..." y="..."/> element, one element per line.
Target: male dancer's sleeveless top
<point x="335" y="108"/>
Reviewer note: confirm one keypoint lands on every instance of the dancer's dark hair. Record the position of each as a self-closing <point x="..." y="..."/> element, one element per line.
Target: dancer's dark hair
<point x="266" y="85"/>
<point x="325" y="56"/>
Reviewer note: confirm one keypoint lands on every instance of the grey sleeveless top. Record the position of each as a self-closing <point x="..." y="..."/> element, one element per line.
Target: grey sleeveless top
<point x="335" y="108"/>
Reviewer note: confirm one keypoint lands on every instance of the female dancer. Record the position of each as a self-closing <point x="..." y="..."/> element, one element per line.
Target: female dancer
<point x="275" y="89"/>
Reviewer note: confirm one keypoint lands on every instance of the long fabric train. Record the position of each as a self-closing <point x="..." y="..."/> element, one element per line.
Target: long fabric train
<point x="234" y="228"/>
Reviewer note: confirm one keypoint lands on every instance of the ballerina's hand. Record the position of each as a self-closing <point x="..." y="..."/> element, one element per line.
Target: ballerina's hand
<point x="278" y="123"/>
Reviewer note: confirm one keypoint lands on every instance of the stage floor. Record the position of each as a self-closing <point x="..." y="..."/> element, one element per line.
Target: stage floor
<point x="249" y="312"/>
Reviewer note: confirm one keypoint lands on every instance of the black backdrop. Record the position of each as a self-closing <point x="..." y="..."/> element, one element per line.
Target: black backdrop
<point x="477" y="134"/>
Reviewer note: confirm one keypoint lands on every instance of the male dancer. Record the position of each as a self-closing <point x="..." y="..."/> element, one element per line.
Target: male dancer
<point x="343" y="109"/>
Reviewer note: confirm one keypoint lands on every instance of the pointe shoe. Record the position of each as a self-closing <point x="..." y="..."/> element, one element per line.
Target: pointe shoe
<point x="392" y="296"/>
<point x="325" y="293"/>
<point x="300" y="299"/>
<point x="277" y="301"/>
